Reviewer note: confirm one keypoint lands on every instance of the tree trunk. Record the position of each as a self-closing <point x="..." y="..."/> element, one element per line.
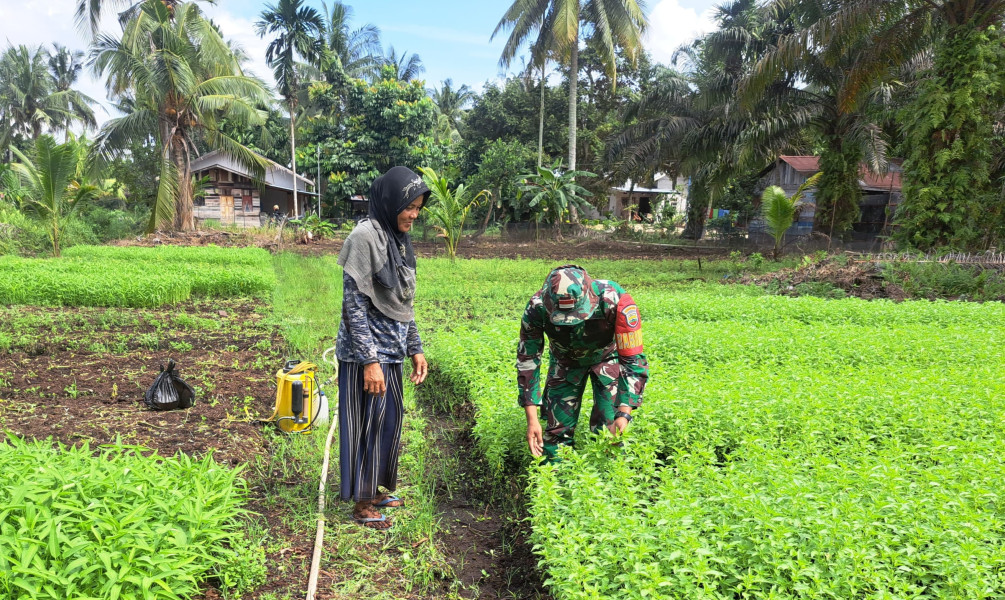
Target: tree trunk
<point x="949" y="196"/>
<point x="488" y="215"/>
<point x="55" y="234"/>
<point x="697" y="209"/>
<point x="838" y="192"/>
<point x="540" y="129"/>
<point x="184" y="220"/>
<point x="293" y="155"/>
<point x="573" y="88"/>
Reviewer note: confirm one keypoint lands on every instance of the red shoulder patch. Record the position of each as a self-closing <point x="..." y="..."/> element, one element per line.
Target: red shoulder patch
<point x="628" y="315"/>
<point x="628" y="327"/>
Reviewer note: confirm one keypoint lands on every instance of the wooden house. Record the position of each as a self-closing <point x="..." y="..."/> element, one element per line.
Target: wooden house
<point x="234" y="197"/>
<point x="879" y="199"/>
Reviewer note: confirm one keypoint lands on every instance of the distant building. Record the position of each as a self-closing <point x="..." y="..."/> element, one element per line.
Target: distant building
<point x="232" y="196"/>
<point x="880" y="195"/>
<point x="639" y="202"/>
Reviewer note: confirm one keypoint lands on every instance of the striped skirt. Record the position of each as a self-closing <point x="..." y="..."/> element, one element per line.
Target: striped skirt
<point x="369" y="431"/>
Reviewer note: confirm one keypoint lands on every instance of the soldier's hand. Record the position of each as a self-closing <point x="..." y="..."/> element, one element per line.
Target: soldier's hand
<point x="535" y="439"/>
<point x="619" y="425"/>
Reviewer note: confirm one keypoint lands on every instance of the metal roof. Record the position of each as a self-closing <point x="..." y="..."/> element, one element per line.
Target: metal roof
<point x="889" y="182"/>
<point x="276" y="175"/>
<point x="645" y="190"/>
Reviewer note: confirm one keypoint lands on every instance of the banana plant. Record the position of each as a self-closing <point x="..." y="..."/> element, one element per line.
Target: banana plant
<point x="556" y="194"/>
<point x="447" y="210"/>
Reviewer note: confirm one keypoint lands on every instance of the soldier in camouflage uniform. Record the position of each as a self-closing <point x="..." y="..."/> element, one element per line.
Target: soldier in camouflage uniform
<point x="595" y="333"/>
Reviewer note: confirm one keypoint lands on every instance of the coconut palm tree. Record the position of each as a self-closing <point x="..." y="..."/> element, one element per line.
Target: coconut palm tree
<point x="557" y="26"/>
<point x="405" y="67"/>
<point x="947" y="123"/>
<point x="54" y="182"/>
<point x="65" y="65"/>
<point x="448" y="209"/>
<point x="689" y="122"/>
<point x="89" y="12"/>
<point x="356" y="52"/>
<point x="779" y="211"/>
<point x="298" y="33"/>
<point x="949" y="126"/>
<point x="178" y="80"/>
<point x="554" y="194"/>
<point x="540" y="53"/>
<point x="31" y="100"/>
<point x="450" y="103"/>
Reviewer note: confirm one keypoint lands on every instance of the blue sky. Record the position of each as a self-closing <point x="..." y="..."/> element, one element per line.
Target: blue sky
<point x="451" y="36"/>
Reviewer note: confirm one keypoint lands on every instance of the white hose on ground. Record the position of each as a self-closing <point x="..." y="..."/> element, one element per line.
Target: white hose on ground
<point x="319" y="538"/>
<point x="324" y="356"/>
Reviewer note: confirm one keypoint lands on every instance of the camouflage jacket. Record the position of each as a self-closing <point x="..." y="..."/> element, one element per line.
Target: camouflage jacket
<point x="613" y="332"/>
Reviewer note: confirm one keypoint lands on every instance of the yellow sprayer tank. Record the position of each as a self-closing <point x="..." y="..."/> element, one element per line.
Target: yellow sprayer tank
<point x="299" y="400"/>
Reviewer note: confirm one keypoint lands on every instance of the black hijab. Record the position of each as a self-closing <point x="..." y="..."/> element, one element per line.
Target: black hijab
<point x="390" y="194"/>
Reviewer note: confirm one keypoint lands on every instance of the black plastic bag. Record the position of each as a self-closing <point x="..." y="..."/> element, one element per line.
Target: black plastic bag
<point x="169" y="391"/>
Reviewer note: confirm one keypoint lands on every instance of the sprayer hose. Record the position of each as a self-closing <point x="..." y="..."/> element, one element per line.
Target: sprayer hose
<point x="312" y="582"/>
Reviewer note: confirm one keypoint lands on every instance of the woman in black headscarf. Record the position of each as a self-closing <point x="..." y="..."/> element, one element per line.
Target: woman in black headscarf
<point x="375" y="335"/>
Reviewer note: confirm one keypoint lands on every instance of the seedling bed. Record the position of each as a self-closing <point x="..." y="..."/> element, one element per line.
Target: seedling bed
<point x="63" y="386"/>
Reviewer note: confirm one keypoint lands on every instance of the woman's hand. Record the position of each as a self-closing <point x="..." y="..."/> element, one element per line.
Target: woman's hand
<point x="419" y="369"/>
<point x="373" y="379"/>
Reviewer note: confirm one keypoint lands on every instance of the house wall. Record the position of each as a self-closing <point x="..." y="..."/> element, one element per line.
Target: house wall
<point x="618" y="203"/>
<point x="282" y="198"/>
<point x="876" y="208"/>
<point x="223" y="185"/>
<point x="789" y="179"/>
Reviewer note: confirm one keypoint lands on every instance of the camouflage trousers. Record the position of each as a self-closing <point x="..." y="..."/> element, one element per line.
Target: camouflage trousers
<point x="563" y="397"/>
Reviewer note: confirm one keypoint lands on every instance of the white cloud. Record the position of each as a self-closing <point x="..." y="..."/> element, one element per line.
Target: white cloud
<point x="671" y="25"/>
<point x="41" y="22"/>
<point x="241" y="30"/>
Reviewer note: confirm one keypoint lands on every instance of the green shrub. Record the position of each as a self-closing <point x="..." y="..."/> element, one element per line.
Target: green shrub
<point x="112" y="224"/>
<point x="116" y="525"/>
<point x="21" y="235"/>
<point x="946" y="280"/>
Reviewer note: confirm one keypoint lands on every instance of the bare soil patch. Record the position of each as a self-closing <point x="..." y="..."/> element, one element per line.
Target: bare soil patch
<point x="485" y="537"/>
<point x="64" y="385"/>
<point x="859" y="279"/>
<point x="70" y="388"/>
<point x="569" y="248"/>
<point x="77" y="375"/>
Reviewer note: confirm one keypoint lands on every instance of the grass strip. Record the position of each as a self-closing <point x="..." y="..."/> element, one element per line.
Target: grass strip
<point x="307" y="306"/>
<point x="251" y="257"/>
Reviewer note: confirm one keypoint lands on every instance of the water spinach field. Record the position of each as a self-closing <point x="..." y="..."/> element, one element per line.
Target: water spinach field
<point x="787" y="447"/>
